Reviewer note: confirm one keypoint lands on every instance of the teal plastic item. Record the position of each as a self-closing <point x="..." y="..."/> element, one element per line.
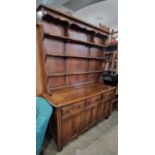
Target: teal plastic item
<point x="43" y="113"/>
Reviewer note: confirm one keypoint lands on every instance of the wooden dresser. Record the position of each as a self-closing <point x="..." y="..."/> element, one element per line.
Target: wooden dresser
<point x="70" y="60"/>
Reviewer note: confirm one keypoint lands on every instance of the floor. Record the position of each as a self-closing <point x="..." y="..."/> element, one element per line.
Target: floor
<point x="99" y="140"/>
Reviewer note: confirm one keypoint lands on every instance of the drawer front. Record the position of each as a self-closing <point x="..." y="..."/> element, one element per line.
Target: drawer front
<point x="73" y="109"/>
<point x="93" y="101"/>
<point x="107" y="95"/>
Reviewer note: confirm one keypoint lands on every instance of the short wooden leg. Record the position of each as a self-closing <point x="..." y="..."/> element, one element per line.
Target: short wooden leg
<point x="107" y="117"/>
<point x="59" y="148"/>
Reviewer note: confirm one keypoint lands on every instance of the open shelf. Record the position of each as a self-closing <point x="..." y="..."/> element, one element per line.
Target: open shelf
<point x="72" y="85"/>
<point x="73" y="40"/>
<point x="69" y="56"/>
<point x="73" y="53"/>
<point x="76" y="73"/>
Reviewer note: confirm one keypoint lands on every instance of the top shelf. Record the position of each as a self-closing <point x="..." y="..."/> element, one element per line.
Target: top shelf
<point x="73" y="40"/>
<point x="50" y="11"/>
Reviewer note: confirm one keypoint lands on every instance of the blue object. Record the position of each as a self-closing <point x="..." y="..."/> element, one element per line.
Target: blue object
<point x="43" y="113"/>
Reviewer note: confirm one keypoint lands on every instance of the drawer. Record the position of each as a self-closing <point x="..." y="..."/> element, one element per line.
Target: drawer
<point x="109" y="94"/>
<point x="91" y="102"/>
<point x="73" y="109"/>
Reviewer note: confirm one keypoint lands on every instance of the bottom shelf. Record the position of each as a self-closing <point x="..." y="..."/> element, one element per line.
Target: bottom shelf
<point x="71" y="85"/>
<point x="64" y="81"/>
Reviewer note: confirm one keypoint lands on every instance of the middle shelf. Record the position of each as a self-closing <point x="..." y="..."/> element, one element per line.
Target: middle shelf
<point x="74" y="73"/>
<point x="81" y="57"/>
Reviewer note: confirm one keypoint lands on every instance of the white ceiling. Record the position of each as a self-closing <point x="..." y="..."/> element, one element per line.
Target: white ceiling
<point x="105" y="12"/>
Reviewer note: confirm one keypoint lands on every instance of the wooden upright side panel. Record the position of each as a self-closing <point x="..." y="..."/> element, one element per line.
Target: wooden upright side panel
<point x="40" y="79"/>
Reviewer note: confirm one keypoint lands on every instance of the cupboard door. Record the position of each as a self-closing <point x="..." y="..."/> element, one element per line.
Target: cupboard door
<point x="91" y="110"/>
<point x="71" y="126"/>
<point x="108" y="108"/>
<point x="87" y="117"/>
<point x="94" y="114"/>
<point x="77" y="122"/>
<point x="67" y="128"/>
<point x="90" y="116"/>
<point x="101" y="110"/>
<point x="72" y="121"/>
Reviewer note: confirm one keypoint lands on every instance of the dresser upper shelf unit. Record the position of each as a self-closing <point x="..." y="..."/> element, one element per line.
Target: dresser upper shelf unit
<point x="73" y="51"/>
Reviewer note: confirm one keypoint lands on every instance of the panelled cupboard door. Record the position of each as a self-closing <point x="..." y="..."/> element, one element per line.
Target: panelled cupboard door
<point x="108" y="108"/>
<point x="90" y="116"/>
<point x="87" y="117"/>
<point x="101" y="110"/>
<point x="91" y="110"/>
<point x="71" y="126"/>
<point x="77" y="122"/>
<point x="94" y="114"/>
<point x="67" y="128"/>
<point x="104" y="109"/>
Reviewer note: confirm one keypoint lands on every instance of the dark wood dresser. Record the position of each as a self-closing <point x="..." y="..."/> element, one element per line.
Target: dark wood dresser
<point x="70" y="60"/>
